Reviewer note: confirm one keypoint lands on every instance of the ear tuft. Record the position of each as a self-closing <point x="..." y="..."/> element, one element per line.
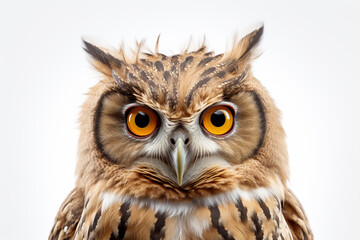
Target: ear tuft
<point x="251" y="40"/>
<point x="96" y="53"/>
<point x="243" y="52"/>
<point x="104" y="61"/>
<point x="244" y="48"/>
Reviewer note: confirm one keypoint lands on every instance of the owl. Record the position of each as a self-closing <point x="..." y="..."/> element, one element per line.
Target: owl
<point x="188" y="146"/>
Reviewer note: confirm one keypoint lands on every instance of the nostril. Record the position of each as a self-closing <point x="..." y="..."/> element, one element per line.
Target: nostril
<point x="173" y="142"/>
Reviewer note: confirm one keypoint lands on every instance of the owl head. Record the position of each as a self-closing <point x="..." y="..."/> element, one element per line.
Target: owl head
<point x="180" y="127"/>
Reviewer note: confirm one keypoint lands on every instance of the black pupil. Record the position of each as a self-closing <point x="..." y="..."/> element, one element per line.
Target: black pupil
<point x="218" y="118"/>
<point x="142" y="120"/>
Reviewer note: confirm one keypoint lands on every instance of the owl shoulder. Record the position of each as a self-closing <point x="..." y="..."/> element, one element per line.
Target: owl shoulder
<point x="68" y="216"/>
<point x="295" y="217"/>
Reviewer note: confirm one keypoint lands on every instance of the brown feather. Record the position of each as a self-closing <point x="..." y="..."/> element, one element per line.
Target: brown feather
<point x="295" y="217"/>
<point x="68" y="216"/>
<point x="243" y="219"/>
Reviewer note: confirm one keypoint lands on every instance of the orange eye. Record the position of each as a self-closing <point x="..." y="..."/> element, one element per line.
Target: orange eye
<point x="141" y="121"/>
<point x="218" y="120"/>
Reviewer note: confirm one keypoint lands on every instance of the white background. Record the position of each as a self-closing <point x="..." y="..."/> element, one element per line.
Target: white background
<point x="310" y="65"/>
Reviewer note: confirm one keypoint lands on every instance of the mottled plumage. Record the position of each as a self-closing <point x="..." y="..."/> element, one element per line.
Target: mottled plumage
<point x="180" y="180"/>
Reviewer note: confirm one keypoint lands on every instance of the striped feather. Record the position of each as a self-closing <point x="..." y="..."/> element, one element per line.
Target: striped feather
<point x="123" y="218"/>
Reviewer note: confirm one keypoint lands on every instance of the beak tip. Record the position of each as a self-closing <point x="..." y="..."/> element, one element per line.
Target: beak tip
<point x="179" y="182"/>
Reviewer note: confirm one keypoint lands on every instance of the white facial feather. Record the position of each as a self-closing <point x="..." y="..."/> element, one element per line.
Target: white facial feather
<point x="201" y="164"/>
<point x="200" y="143"/>
<point x="160" y="145"/>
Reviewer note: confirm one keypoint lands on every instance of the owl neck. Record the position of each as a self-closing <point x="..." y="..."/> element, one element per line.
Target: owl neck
<point x="172" y="207"/>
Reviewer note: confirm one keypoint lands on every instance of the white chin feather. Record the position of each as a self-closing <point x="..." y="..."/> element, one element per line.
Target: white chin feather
<point x="176" y="208"/>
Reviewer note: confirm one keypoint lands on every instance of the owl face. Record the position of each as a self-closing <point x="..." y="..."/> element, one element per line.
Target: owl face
<point x="184" y="121"/>
<point x="181" y="148"/>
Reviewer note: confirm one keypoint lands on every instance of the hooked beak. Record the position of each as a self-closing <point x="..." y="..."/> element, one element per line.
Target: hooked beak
<point x="179" y="160"/>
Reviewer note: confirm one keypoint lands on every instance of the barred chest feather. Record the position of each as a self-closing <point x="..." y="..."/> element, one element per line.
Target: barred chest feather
<point x="237" y="214"/>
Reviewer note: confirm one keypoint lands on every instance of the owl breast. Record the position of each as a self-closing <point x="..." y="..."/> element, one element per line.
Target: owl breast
<point x="237" y="214"/>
